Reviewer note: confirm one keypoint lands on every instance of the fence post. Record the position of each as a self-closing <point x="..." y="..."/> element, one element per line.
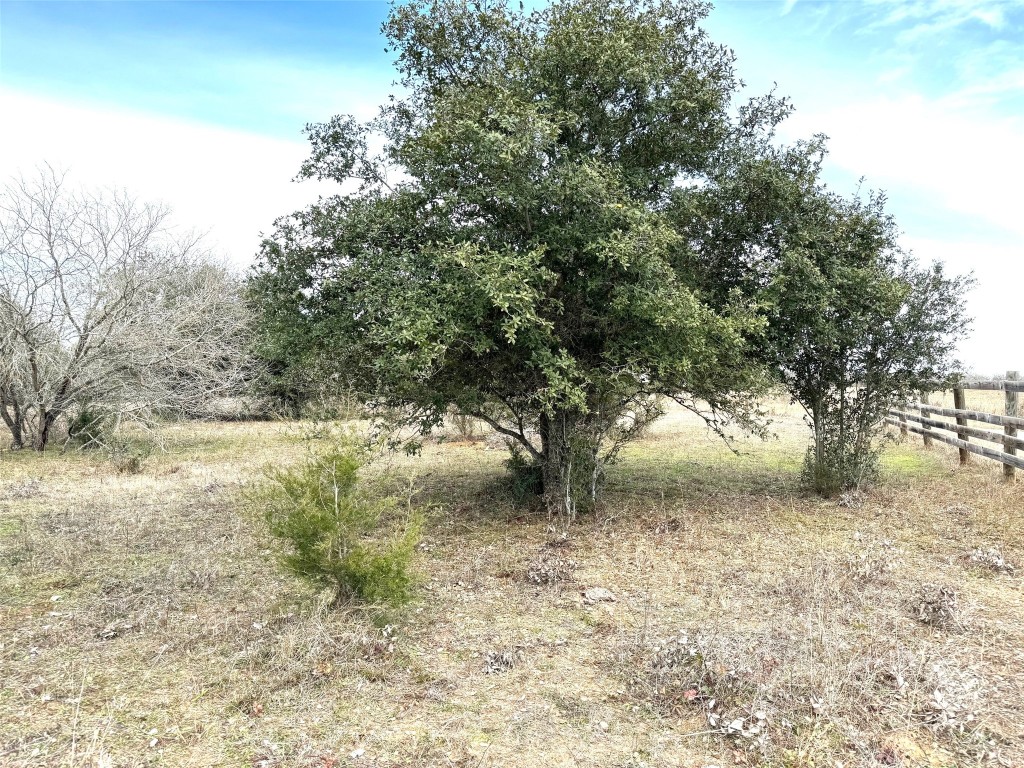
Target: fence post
<point x="903" y="426"/>
<point x="925" y="427"/>
<point x="1011" y="410"/>
<point x="960" y="403"/>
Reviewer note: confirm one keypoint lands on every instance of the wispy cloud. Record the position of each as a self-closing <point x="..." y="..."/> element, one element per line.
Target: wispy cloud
<point x="275" y="97"/>
<point x="924" y="99"/>
<point x="171" y="58"/>
<point x="930" y="16"/>
<point x="231" y="184"/>
<point x="958" y="160"/>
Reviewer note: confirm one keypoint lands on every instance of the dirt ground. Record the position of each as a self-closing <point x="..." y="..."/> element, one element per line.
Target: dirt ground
<point x="145" y="621"/>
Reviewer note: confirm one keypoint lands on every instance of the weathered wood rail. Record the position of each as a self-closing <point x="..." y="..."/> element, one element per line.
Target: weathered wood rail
<point x="922" y="422"/>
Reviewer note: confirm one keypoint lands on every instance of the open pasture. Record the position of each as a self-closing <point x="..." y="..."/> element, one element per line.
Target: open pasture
<point x="143" y="620"/>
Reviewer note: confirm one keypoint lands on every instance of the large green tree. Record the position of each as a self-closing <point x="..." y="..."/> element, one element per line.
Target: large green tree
<point x="853" y="323"/>
<point x="857" y="327"/>
<point x="530" y="212"/>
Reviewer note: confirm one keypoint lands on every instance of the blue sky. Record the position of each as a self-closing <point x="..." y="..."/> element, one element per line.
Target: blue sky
<point x="263" y="67"/>
<point x="202" y="104"/>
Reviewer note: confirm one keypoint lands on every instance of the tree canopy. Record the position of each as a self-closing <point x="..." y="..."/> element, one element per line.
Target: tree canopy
<point x="566" y="215"/>
<point x="857" y="327"/>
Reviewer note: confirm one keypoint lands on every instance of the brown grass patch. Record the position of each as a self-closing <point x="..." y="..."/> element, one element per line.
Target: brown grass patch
<point x="144" y="622"/>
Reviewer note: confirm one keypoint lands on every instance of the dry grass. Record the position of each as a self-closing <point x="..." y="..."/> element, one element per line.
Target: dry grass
<point x="143" y="621"/>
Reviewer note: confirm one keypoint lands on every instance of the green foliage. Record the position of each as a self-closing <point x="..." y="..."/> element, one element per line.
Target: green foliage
<point x="303" y="386"/>
<point x="858" y="328"/>
<point x="335" y="534"/>
<point x="522" y="248"/>
<point x="525" y="479"/>
<point x="853" y="325"/>
<point x="88" y="427"/>
<point x="838" y="462"/>
<point x="583" y="220"/>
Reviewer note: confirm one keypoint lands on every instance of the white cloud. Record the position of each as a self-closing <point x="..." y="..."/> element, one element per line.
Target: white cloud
<point x="229" y="183"/>
<point x="961" y="161"/>
<point x="966" y="167"/>
<point x="932" y="16"/>
<point x="994" y="346"/>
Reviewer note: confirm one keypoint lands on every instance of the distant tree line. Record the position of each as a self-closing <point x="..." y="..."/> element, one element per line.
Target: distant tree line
<point x="106" y="314"/>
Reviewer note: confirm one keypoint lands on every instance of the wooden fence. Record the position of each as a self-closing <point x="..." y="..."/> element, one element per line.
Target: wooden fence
<point x="918" y="418"/>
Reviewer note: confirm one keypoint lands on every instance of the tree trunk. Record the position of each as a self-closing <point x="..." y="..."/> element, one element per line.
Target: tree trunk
<point x="17" y="432"/>
<point x="819" y="438"/>
<point x="15" y="421"/>
<point x="557" y="473"/>
<point x="570" y="464"/>
<point x="42" y="436"/>
<point x="544" y="428"/>
<point x="17" y="435"/>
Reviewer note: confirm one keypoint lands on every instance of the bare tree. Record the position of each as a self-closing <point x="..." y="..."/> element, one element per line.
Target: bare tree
<point x="104" y="309"/>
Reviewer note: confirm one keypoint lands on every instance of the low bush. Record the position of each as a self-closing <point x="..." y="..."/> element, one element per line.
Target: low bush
<point x="464" y="427"/>
<point x="840" y="462"/>
<point x="128" y="458"/>
<point x="336" y="534"/>
<point x="525" y="479"/>
<point x="88" y="427"/>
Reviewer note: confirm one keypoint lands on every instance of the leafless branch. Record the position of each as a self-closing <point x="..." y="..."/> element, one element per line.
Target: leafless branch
<point x="103" y="307"/>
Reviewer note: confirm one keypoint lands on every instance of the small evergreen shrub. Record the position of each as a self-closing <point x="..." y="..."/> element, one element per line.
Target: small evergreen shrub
<point x="335" y="534"/>
<point x="88" y="428"/>
<point x="525" y="479"/>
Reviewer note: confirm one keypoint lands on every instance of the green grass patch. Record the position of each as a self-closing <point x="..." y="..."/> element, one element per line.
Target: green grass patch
<point x="904" y="459"/>
<point x="10" y="526"/>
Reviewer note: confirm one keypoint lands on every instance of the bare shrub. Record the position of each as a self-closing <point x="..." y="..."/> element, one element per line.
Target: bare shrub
<point x="105" y="311"/>
<point x="709" y="674"/>
<point x="25" y="489"/>
<point x="465" y="427"/>
<point x="549" y="568"/>
<point x="990" y="559"/>
<point x="960" y="510"/>
<point x="924" y="687"/>
<point x="128" y="458"/>
<point x="952" y="706"/>
<point x="937" y="606"/>
<point x="853" y="499"/>
<point x="502" y="660"/>
<point x="874" y="561"/>
<point x="795" y="700"/>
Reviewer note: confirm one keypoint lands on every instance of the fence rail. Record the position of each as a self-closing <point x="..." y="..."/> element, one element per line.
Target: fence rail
<point x="988" y="418"/>
<point x="935" y="429"/>
<point x="981" y="450"/>
<point x="1005" y="385"/>
<point x="962" y="429"/>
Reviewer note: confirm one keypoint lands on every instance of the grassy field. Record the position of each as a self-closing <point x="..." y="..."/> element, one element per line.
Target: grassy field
<point x="143" y="620"/>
